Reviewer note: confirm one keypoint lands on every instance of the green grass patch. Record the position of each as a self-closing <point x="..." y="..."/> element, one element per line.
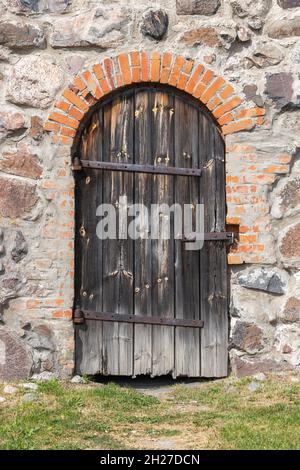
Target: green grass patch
<point x="221" y="414"/>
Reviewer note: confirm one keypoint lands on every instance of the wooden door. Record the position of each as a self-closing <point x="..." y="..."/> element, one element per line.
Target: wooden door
<point x="160" y="139"/>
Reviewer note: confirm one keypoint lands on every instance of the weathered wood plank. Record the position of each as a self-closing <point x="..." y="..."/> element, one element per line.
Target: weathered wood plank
<point x="142" y="246"/>
<point x="213" y="256"/>
<point x="89" y="359"/>
<point x="187" y="264"/>
<point x="118" y="254"/>
<point x="163" y="249"/>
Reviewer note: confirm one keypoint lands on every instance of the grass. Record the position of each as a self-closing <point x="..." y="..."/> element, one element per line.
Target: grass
<point x="212" y="415"/>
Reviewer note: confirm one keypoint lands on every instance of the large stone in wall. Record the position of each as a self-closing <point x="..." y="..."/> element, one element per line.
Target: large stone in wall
<point x="21" y="35"/>
<point x="15" y="358"/>
<point x="267" y="55"/>
<point x="11" y="285"/>
<point x="10" y="122"/>
<point x="288" y="3"/>
<point x="247" y="337"/>
<point x="155" y="24"/>
<point x="289" y="246"/>
<point x="37" y="6"/>
<point x="271" y="280"/>
<point x="101" y="27"/>
<point x="283" y="28"/>
<point x="252" y="8"/>
<point x="20" y="162"/>
<point x="207" y="36"/>
<point x="244" y="366"/>
<point x="197" y="7"/>
<point x="17" y="197"/>
<point x="290" y="312"/>
<point x="279" y="87"/>
<point x="287" y="199"/>
<point x="35" y="81"/>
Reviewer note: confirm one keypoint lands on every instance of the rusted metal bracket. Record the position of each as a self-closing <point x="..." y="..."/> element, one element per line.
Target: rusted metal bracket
<point x="78" y="317"/>
<point x="229" y="237"/>
<point x="116" y="317"/>
<point x="158" y="169"/>
<point x="76" y="164"/>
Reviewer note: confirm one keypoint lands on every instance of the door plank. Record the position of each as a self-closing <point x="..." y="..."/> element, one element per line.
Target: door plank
<point x="118" y="254"/>
<point x="214" y="311"/>
<point x="89" y="355"/>
<point x="187" y="264"/>
<point x="142" y="247"/>
<point x="162" y="249"/>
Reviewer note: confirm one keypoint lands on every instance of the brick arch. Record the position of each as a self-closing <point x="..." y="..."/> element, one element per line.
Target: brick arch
<point x="91" y="85"/>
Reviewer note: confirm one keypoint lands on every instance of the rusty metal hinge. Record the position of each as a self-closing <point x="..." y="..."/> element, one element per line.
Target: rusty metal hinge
<point x="78" y="317"/>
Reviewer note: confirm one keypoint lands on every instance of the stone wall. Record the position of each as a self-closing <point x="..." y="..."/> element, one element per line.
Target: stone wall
<point x="48" y="53"/>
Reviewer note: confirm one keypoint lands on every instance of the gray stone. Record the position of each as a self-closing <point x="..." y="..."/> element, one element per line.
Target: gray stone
<point x="270" y="280"/>
<point x="37" y="6"/>
<point x="35" y="81"/>
<point x="288" y="3"/>
<point x="253" y="387"/>
<point x="261" y="377"/>
<point x="102" y="27"/>
<point x="155" y="24"/>
<point x="10" y="390"/>
<point x="267" y="55"/>
<point x="11" y="122"/>
<point x="44" y="376"/>
<point x="251" y="95"/>
<point x="247" y="337"/>
<point x="252" y="8"/>
<point x="279" y="88"/>
<point x="77" y="379"/>
<point x="36" y="127"/>
<point x="15" y="358"/>
<point x="290" y="312"/>
<point x="18" y="198"/>
<point x="255" y="23"/>
<point x="245" y="366"/>
<point x="29" y="386"/>
<point x="11" y="285"/>
<point x="197" y="7"/>
<point x="29" y="398"/>
<point x="2" y="399"/>
<point x="283" y="28"/>
<point x="243" y="34"/>
<point x="20" y="248"/>
<point x="21" y="35"/>
<point x="75" y="63"/>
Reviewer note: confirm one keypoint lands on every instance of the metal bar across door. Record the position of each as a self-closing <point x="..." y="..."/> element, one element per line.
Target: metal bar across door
<point x="158" y="169"/>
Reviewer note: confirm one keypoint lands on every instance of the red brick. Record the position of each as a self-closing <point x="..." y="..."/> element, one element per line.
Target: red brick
<point x="145" y="67"/>
<point x="109" y="69"/>
<point x="155" y="67"/>
<point x="62" y="119"/>
<point x="211" y="91"/>
<point x="194" y="78"/>
<point x="75" y="99"/>
<point x="125" y="68"/>
<point x="237" y="126"/>
<point x="226" y="107"/>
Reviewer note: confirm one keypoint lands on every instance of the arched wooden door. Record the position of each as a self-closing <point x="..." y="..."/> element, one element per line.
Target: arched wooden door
<point x="150" y="306"/>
